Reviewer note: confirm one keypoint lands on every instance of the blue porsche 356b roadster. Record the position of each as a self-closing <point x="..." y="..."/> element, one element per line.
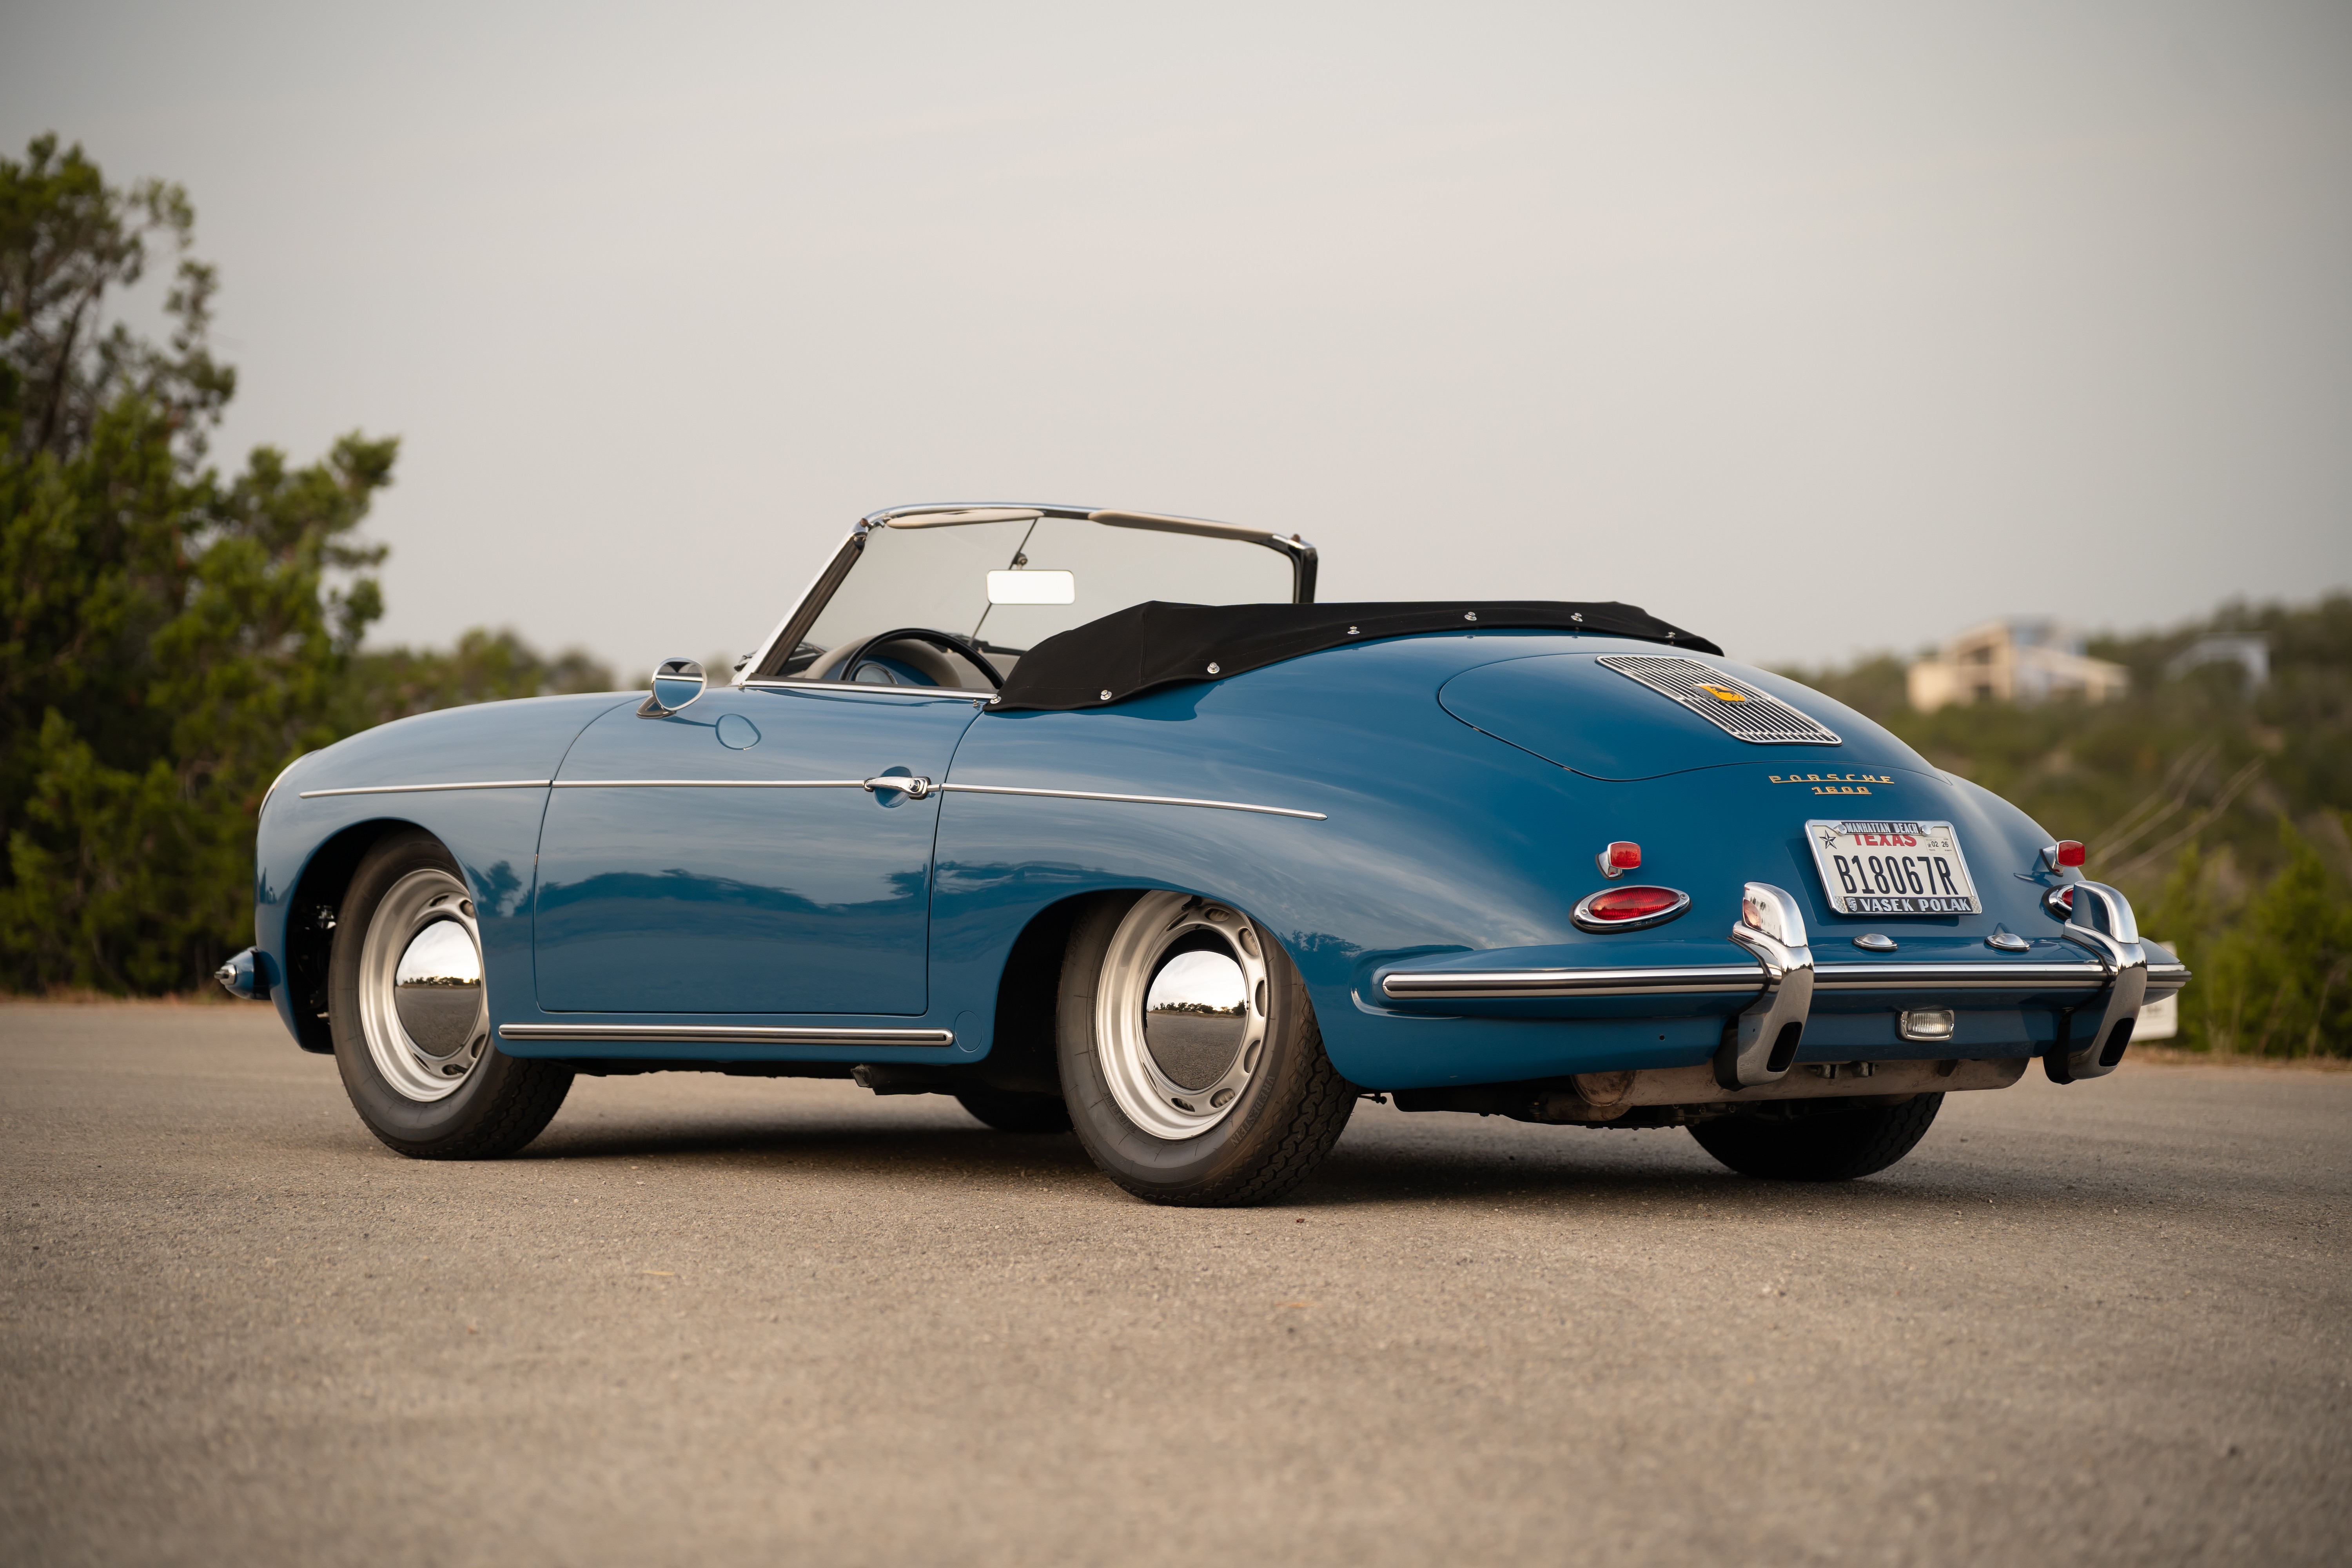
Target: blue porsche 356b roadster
<point x="1097" y="820"/>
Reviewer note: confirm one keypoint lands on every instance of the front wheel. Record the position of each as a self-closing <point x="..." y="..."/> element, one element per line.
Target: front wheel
<point x="410" y="1019"/>
<point x="1190" y="1057"/>
<point x="1818" y="1144"/>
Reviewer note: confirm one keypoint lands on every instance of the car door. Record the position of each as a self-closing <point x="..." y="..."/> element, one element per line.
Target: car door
<point x="727" y="858"/>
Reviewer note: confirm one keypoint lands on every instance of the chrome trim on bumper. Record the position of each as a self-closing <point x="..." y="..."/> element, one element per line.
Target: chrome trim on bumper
<point x="1685" y="980"/>
<point x="2102" y="921"/>
<point x="723" y="1034"/>
<point x="1760" y="1044"/>
<point x="1730" y="979"/>
<point x="2022" y="976"/>
<point x="244" y="977"/>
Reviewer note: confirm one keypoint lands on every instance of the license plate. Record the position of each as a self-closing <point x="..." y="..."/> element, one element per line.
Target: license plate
<point x="1893" y="867"/>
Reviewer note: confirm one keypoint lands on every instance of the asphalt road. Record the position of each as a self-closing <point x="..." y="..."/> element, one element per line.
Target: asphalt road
<point x="710" y="1321"/>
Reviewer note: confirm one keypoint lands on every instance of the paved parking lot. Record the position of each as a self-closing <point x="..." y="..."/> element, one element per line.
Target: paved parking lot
<point x="711" y="1320"/>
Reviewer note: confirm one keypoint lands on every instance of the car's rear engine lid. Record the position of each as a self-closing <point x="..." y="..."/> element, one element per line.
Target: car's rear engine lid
<point x="1622" y="716"/>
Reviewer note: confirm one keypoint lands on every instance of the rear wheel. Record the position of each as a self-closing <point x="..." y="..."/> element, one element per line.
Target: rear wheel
<point x="1190" y="1062"/>
<point x="410" y="1019"/>
<point x="1817" y="1143"/>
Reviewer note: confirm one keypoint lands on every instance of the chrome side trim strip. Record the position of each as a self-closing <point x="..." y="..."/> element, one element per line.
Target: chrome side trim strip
<point x="2042" y="976"/>
<point x="427" y="788"/>
<point x="1685" y="980"/>
<point x="885" y="782"/>
<point x="710" y="784"/>
<point x="1138" y="799"/>
<point x="724" y="1034"/>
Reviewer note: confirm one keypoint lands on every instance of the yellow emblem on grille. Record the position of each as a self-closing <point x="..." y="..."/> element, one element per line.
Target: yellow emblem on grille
<point x="1722" y="693"/>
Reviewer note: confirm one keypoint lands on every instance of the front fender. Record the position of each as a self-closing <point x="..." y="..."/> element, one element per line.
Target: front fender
<point x="328" y="805"/>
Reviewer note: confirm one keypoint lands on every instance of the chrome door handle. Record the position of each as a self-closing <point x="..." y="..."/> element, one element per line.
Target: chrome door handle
<point x="912" y="788"/>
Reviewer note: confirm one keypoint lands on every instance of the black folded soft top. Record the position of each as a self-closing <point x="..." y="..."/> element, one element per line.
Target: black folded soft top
<point x="1155" y="644"/>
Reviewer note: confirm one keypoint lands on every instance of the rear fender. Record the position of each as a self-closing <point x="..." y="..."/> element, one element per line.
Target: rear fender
<point x="1429" y="838"/>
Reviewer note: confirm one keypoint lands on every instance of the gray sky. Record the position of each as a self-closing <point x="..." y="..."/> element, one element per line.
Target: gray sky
<point x="1814" y="328"/>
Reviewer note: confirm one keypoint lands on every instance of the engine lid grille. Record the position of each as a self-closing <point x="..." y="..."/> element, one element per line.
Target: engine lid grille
<point x="1729" y="704"/>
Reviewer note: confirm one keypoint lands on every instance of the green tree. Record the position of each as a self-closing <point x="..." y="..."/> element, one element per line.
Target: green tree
<point x="169" y="639"/>
<point x="67" y="240"/>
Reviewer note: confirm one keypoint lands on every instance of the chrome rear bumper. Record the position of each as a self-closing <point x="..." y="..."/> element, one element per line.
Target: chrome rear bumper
<point x="2097" y="997"/>
<point x="1891" y="980"/>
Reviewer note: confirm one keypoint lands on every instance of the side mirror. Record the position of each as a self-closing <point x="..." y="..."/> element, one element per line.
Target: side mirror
<point x="677" y="683"/>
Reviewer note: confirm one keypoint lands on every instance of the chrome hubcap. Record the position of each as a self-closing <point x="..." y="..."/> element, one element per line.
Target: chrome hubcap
<point x="1179" y="1015"/>
<point x="421" y="1003"/>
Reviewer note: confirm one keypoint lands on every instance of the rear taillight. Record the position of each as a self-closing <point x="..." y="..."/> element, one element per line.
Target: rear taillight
<point x="1629" y="909"/>
<point x="2059" y="902"/>
<point x="2065" y="852"/>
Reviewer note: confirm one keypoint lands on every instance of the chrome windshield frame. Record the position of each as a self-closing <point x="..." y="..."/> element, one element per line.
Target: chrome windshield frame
<point x="762" y="667"/>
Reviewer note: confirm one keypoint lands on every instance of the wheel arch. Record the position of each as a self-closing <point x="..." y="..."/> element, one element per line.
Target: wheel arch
<point x="311" y="911"/>
<point x="1021" y="1052"/>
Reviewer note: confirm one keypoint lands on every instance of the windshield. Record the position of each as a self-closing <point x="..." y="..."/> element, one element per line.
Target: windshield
<point x="1072" y="571"/>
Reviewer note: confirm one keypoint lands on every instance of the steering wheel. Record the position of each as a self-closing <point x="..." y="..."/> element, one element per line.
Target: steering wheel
<point x="961" y="647"/>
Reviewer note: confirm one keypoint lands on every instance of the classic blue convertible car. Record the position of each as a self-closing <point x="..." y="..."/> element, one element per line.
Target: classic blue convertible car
<point x="1098" y="820"/>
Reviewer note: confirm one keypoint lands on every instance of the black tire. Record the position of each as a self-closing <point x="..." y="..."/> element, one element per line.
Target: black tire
<point x="1027" y="1113"/>
<point x="505" y="1101"/>
<point x="1820" y="1144"/>
<point x="1280" y="1126"/>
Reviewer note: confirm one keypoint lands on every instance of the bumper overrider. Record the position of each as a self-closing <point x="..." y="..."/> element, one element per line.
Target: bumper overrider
<point x="1775" y="982"/>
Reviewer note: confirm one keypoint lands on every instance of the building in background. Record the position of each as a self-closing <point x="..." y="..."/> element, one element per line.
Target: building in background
<point x="2020" y="659"/>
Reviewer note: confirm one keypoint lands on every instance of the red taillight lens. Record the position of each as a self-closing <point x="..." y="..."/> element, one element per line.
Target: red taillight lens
<point x="2070" y="853"/>
<point x="2060" y="901"/>
<point x="1624" y="857"/>
<point x="1623" y="906"/>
